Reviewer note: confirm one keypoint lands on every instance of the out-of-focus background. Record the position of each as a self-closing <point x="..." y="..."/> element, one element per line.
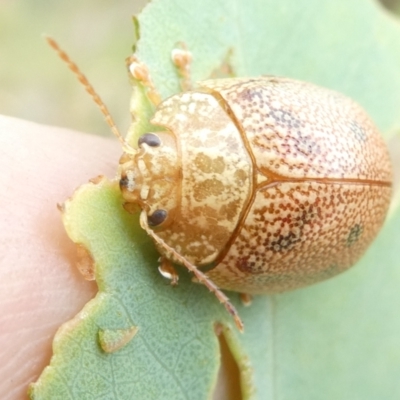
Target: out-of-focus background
<point x="35" y="84"/>
<point x="98" y="35"/>
<point x="391" y="5"/>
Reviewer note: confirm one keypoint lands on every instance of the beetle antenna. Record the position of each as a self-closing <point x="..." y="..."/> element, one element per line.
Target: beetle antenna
<point x="201" y="277"/>
<point x="89" y="88"/>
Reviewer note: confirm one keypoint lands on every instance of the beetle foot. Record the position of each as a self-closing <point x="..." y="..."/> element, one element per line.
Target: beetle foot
<point x="182" y="58"/>
<point x="246" y="299"/>
<point x="140" y="73"/>
<point x="168" y="271"/>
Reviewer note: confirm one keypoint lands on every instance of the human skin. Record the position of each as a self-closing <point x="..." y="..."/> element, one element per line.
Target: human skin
<point x="40" y="287"/>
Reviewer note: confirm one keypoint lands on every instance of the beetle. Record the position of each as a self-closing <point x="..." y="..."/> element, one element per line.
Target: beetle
<point x="271" y="183"/>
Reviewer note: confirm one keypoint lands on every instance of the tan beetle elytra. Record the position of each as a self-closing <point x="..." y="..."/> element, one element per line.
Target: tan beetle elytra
<point x="272" y="183"/>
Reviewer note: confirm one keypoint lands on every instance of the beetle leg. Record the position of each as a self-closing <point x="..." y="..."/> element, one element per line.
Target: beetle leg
<point x="246" y="299"/>
<point x="168" y="271"/>
<point x="225" y="69"/>
<point x="140" y="72"/>
<point x="182" y="58"/>
<point x="201" y="277"/>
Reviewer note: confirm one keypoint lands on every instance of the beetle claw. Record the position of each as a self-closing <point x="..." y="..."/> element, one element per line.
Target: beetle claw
<point x="168" y="271"/>
<point x="246" y="299"/>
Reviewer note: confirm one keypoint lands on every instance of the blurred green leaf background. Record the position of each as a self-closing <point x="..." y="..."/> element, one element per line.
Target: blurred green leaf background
<point x="35" y="85"/>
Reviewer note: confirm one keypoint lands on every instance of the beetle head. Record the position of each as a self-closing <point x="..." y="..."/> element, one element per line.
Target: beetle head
<point x="150" y="177"/>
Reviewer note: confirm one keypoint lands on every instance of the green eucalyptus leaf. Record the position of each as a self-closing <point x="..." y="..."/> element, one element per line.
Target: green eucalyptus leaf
<point x="140" y="337"/>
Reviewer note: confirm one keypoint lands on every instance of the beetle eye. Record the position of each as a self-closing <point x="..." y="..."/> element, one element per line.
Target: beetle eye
<point x="123" y="182"/>
<point x="150" y="139"/>
<point x="157" y="217"/>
